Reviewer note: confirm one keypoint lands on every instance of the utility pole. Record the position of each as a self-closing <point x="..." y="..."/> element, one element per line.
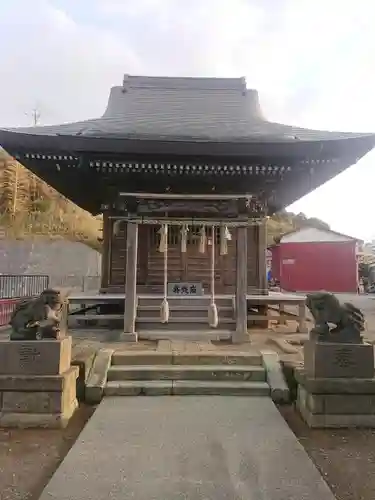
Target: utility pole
<point x="35" y="116"/>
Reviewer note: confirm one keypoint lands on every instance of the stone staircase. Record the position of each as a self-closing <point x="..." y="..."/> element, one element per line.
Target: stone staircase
<point x="187" y="314"/>
<point x="186" y="373"/>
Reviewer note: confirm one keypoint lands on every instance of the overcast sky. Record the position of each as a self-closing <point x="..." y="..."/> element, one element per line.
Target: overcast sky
<point x="313" y="62"/>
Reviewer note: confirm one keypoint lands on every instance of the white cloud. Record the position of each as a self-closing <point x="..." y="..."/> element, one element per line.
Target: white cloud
<point x="298" y="53"/>
<point x="63" y="67"/>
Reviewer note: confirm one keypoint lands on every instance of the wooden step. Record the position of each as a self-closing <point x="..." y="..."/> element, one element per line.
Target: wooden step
<point x="185" y="387"/>
<point x="189" y="301"/>
<point x="198" y="312"/>
<point x="189" y="319"/>
<point x="187" y="332"/>
<point x="183" y="307"/>
<point x="191" y="324"/>
<point x="187" y="372"/>
<point x="106" y="317"/>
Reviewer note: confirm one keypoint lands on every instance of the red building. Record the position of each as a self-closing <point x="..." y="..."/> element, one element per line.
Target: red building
<point x="310" y="259"/>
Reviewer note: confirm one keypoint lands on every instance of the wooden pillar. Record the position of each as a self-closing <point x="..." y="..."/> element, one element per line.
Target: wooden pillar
<point x="106" y="251"/>
<point x="131" y="283"/>
<point x="262" y="258"/>
<point x="241" y="335"/>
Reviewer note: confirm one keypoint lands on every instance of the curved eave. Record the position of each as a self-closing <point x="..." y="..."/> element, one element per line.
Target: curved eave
<point x="355" y="146"/>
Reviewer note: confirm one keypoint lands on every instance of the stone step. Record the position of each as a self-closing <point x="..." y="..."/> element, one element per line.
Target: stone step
<point x="185" y="387"/>
<point x="187" y="372"/>
<point x="212" y="358"/>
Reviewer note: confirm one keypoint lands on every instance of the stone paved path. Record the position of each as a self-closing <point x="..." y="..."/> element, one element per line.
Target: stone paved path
<point x="194" y="448"/>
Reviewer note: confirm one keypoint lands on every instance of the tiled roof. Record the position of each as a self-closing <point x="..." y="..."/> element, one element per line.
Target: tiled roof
<point x="202" y="109"/>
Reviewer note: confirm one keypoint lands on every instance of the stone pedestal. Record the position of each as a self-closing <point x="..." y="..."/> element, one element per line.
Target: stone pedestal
<point x="338" y="360"/>
<point x="336" y="388"/>
<point x="37" y="383"/>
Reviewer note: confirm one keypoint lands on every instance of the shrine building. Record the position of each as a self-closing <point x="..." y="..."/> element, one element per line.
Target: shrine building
<point x="185" y="172"/>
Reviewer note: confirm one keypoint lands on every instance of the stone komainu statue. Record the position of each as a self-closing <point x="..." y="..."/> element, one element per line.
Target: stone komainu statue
<point x="326" y="310"/>
<point x="38" y="318"/>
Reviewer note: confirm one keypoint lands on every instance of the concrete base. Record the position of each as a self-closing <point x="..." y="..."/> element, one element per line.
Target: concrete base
<point x="129" y="337"/>
<point x="37" y="383"/>
<point x="338" y="360"/>
<point x="97" y="378"/>
<point x="35" y="357"/>
<point x="83" y="357"/>
<point x="280" y="393"/>
<point x="336" y="403"/>
<point x="38" y="420"/>
<point x="38" y="400"/>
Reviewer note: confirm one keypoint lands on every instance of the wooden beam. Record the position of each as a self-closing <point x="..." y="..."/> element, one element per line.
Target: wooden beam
<point x="131" y="282"/>
<point x="195" y="221"/>
<point x="262" y="258"/>
<point x="174" y="196"/>
<point x="241" y="335"/>
<point x="106" y="254"/>
<point x="252" y="260"/>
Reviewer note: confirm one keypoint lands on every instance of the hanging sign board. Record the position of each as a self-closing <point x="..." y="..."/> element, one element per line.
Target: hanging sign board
<point x="183" y="289"/>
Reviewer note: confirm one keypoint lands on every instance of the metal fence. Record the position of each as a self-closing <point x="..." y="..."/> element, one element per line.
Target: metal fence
<point x="14" y="286"/>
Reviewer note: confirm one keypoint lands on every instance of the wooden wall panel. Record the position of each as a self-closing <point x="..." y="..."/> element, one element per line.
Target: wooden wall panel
<point x="106" y="257"/>
<point x="190" y="267"/>
<point x="118" y="256"/>
<point x="252" y="260"/>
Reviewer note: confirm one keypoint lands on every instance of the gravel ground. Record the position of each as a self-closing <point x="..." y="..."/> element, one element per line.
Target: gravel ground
<point x="345" y="458"/>
<point x="28" y="458"/>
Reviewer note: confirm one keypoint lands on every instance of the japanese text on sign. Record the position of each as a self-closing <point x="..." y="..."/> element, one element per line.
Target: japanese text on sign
<point x="185" y="289"/>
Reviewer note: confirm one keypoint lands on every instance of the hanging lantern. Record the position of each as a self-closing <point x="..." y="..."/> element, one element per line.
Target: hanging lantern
<point x="202" y="240"/>
<point x="225" y="236"/>
<point x="164" y="311"/>
<point x="163" y="231"/>
<point x="184" y="232"/>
